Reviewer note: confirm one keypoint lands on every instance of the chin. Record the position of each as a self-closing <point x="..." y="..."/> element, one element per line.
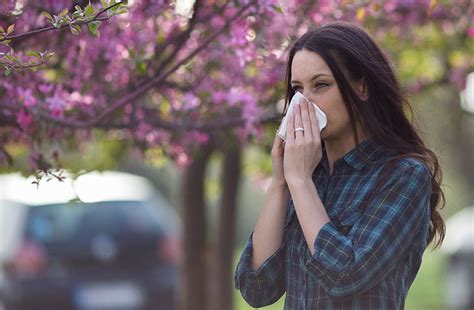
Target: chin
<point x="323" y="134"/>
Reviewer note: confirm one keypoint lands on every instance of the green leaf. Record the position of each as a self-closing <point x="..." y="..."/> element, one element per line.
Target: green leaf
<point x="121" y="11"/>
<point x="7" y="42"/>
<point x="77" y="14"/>
<point x="63" y="13"/>
<point x="105" y="3"/>
<point x="141" y="67"/>
<point x="46" y="55"/>
<point x="96" y="23"/>
<point x="277" y="9"/>
<point x="89" y="11"/>
<point x="75" y="29"/>
<point x="93" y="28"/>
<point x="47" y="15"/>
<point x="78" y="8"/>
<point x="11" y="57"/>
<point x="33" y="53"/>
<point x="10" y="29"/>
<point x="2" y="30"/>
<point x="57" y="22"/>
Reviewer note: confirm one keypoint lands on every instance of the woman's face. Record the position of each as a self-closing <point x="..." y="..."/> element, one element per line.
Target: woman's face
<point x="311" y="76"/>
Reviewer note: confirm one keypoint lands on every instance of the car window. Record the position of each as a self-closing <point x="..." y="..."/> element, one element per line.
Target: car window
<point x="68" y="222"/>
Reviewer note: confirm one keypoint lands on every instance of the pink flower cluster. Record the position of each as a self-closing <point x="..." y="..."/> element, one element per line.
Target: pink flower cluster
<point x="236" y="75"/>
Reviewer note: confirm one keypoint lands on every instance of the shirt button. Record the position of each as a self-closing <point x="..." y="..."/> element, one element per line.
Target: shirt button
<point x="342" y="274"/>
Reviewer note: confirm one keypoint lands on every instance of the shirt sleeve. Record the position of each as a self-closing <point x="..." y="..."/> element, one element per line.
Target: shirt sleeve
<point x="265" y="285"/>
<point x="345" y="265"/>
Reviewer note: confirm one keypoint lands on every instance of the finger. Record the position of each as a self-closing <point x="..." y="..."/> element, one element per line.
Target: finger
<point x="314" y="121"/>
<point x="278" y="145"/>
<point x="298" y="122"/>
<point x="290" y="128"/>
<point x="277" y="137"/>
<point x="308" y="135"/>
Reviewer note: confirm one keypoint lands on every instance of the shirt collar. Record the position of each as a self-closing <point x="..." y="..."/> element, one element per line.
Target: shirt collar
<point x="364" y="153"/>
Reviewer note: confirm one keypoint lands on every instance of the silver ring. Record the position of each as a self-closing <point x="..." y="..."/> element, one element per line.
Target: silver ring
<point x="299" y="129"/>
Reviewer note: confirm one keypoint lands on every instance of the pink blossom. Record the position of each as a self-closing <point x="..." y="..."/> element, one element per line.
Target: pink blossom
<point x="142" y="131"/>
<point x="199" y="137"/>
<point x="217" y="22"/>
<point x="175" y="148"/>
<point x="240" y="71"/>
<point x="56" y="105"/>
<point x="26" y="97"/>
<point x="218" y="97"/>
<point x="458" y="76"/>
<point x="45" y="88"/>
<point x="470" y="32"/>
<point x="7" y="6"/>
<point x="155" y="137"/>
<point x="183" y="160"/>
<point x="24" y="119"/>
<point x="190" y="101"/>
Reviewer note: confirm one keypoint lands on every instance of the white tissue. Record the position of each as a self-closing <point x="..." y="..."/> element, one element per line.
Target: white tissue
<point x="320" y="115"/>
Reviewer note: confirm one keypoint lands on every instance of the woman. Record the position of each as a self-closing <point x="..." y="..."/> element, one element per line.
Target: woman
<point x="351" y="209"/>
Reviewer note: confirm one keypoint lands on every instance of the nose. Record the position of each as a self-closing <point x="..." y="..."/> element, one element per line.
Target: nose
<point x="305" y="93"/>
<point x="308" y="96"/>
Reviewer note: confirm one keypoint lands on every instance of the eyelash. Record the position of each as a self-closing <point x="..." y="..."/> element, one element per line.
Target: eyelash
<point x="316" y="86"/>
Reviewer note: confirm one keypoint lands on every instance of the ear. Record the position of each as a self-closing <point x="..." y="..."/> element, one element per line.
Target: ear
<point x="362" y="90"/>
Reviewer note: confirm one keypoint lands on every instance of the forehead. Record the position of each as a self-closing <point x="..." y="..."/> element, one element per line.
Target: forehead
<point x="307" y="64"/>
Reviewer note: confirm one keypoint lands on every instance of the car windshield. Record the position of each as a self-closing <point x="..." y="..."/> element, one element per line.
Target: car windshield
<point x="73" y="221"/>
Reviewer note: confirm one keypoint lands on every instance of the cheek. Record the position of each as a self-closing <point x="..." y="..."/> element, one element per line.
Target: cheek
<point x="337" y="116"/>
<point x="331" y="103"/>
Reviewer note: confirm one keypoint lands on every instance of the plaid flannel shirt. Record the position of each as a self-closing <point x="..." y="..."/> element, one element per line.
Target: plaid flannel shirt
<point x="363" y="259"/>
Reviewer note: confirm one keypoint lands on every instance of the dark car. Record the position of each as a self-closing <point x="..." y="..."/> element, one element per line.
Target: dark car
<point x="101" y="255"/>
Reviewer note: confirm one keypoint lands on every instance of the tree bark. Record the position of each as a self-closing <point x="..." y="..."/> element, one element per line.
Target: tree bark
<point x="195" y="275"/>
<point x="226" y="229"/>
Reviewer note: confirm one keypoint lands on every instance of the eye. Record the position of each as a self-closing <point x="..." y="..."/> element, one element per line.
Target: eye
<point x="296" y="88"/>
<point x="321" y="85"/>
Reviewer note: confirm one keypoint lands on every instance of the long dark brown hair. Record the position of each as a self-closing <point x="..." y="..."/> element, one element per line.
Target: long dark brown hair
<point x="352" y="55"/>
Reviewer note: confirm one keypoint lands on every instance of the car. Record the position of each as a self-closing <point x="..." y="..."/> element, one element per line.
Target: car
<point x="96" y="254"/>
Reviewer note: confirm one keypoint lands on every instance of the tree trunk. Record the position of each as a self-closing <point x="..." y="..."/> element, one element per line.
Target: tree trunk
<point x="223" y="289"/>
<point x="195" y="275"/>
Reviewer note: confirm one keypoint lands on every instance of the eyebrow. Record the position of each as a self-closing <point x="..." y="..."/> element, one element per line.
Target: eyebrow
<point x="313" y="78"/>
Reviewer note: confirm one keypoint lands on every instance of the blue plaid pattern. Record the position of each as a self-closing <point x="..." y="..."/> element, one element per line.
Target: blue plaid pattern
<point x="367" y="256"/>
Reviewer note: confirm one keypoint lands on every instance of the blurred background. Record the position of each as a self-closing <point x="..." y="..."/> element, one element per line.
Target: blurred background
<point x="135" y="142"/>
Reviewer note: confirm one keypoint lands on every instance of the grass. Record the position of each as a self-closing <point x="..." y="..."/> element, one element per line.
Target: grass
<point x="426" y="292"/>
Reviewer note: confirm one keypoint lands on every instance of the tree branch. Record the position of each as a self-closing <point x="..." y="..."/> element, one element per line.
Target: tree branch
<point x="181" y="38"/>
<point x="44" y="29"/>
<point x="141" y="89"/>
<point x="145" y="86"/>
<point x="224" y="122"/>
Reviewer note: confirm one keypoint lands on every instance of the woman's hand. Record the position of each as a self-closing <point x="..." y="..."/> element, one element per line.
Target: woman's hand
<point x="302" y="151"/>
<point x="277" y="161"/>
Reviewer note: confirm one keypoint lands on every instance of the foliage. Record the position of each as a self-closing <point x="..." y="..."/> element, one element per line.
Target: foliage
<point x="166" y="79"/>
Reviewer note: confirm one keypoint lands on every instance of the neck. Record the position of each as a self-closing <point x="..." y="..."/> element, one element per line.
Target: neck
<point x="337" y="148"/>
